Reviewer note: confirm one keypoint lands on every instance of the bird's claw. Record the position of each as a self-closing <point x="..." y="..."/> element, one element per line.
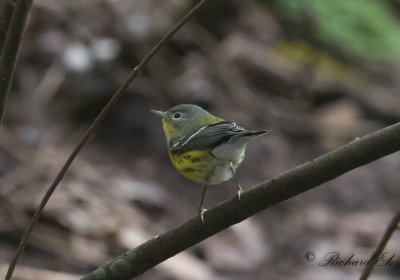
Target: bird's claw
<point x="201" y="214"/>
<point x="239" y="191"/>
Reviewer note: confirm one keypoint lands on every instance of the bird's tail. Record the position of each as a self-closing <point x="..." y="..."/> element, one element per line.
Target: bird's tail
<point x="254" y="133"/>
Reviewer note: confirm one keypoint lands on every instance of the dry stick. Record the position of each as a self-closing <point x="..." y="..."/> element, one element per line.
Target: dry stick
<point x="136" y="72"/>
<point x="10" y="47"/>
<point x="392" y="227"/>
<point x="263" y="195"/>
<point x="6" y="11"/>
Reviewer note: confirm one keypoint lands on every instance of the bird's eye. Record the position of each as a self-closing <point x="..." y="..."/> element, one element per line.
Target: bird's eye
<point x="177" y="115"/>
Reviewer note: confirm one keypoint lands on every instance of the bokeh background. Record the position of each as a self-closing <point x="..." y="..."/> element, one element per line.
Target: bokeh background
<point x="318" y="73"/>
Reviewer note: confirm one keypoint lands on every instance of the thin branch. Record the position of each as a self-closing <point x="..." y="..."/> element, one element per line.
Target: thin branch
<point x="10" y="47"/>
<point x="263" y="195"/>
<point x="6" y="11"/>
<point x="136" y="72"/>
<point x="392" y="227"/>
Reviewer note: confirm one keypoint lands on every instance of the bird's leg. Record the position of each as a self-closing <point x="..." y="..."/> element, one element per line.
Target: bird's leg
<point x="201" y="209"/>
<point x="239" y="187"/>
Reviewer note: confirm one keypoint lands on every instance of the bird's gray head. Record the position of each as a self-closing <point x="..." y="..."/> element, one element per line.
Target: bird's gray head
<point x="183" y="115"/>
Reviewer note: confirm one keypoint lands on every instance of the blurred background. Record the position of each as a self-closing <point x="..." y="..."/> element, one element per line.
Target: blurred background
<point x="318" y="73"/>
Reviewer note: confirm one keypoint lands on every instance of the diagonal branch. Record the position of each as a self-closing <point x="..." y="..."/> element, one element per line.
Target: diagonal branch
<point x="263" y="195"/>
<point x="392" y="227"/>
<point x="136" y="72"/>
<point x="6" y="12"/>
<point x="10" y="43"/>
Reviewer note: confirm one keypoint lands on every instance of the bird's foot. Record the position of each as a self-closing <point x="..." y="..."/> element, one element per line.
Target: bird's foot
<point x="239" y="191"/>
<point x="201" y="214"/>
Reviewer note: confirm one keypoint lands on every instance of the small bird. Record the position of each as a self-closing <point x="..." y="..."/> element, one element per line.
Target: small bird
<point x="204" y="148"/>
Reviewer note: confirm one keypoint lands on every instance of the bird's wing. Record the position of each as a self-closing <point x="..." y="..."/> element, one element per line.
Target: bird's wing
<point x="208" y="136"/>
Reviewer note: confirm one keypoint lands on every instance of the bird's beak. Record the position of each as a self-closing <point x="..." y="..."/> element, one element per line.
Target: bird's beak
<point x="160" y="113"/>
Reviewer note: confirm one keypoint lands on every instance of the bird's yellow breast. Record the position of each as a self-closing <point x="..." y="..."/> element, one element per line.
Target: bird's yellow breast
<point x="195" y="165"/>
<point x="202" y="167"/>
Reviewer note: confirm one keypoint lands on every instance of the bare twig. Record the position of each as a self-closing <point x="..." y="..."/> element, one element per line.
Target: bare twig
<point x="6" y="10"/>
<point x="263" y="195"/>
<point x="392" y="227"/>
<point x="136" y="72"/>
<point x="10" y="47"/>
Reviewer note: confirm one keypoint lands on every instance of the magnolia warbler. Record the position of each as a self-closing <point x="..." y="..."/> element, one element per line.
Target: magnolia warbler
<point x="204" y="148"/>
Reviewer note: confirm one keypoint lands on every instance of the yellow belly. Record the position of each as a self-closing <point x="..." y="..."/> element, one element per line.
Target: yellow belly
<point x="202" y="167"/>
